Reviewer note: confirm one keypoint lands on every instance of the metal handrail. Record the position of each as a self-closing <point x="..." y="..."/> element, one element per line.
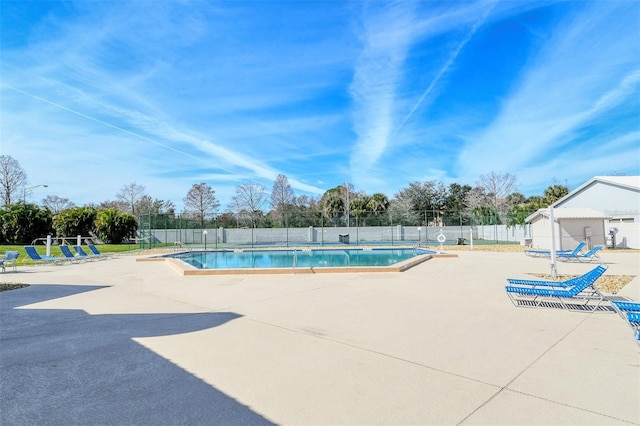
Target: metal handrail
<point x="61" y="240"/>
<point x="180" y="244"/>
<point x="295" y="260"/>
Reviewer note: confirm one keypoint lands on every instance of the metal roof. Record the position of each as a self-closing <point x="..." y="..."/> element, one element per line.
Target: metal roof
<point x="568" y="213"/>
<point x="628" y="182"/>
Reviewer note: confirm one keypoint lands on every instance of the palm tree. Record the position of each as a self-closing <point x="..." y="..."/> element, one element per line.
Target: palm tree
<point x="333" y="205"/>
<point x="554" y="193"/>
<point x="378" y="203"/>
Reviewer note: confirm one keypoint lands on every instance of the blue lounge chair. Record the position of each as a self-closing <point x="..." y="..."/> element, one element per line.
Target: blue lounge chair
<point x="547" y="253"/>
<point x="97" y="253"/>
<point x="630" y="312"/>
<point x="589" y="256"/>
<point x="577" y="297"/>
<point x="622" y="307"/>
<point x="36" y="258"/>
<point x="10" y="259"/>
<point x="66" y="252"/>
<point x="634" y="321"/>
<point x="83" y="254"/>
<point x="593" y="275"/>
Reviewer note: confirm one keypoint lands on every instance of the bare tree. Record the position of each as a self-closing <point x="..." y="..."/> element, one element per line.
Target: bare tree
<point x="249" y="198"/>
<point x="475" y="199"/>
<point x="148" y="205"/>
<point x="57" y="204"/>
<point x="497" y="187"/>
<point x="130" y="194"/>
<point x="201" y="201"/>
<point x="282" y="196"/>
<point x="120" y="205"/>
<point x="401" y="209"/>
<point x="12" y="178"/>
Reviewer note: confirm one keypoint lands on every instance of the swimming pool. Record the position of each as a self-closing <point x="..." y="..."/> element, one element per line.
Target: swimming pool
<point x="306" y="260"/>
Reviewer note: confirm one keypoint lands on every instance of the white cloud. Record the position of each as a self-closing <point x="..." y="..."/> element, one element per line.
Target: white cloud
<point x="386" y="37"/>
<point x="587" y="68"/>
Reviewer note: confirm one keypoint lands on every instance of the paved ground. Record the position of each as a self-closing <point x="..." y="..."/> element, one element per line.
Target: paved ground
<point x="120" y="342"/>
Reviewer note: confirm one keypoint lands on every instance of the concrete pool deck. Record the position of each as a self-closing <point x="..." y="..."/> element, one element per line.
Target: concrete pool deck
<point x="126" y="342"/>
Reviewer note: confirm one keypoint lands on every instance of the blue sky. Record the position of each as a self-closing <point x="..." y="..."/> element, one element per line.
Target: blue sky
<point x="99" y="94"/>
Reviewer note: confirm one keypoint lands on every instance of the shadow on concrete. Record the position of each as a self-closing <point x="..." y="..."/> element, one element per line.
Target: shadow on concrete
<point x="69" y="367"/>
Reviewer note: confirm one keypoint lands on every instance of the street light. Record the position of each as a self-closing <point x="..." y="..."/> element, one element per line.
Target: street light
<point x="205" y="238"/>
<point x="30" y="189"/>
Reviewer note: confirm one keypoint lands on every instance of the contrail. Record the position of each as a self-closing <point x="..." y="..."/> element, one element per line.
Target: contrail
<point x="200" y="144"/>
<point x="445" y="67"/>
<point x="104" y="123"/>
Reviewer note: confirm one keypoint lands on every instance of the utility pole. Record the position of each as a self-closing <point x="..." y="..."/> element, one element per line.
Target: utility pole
<point x="346" y="207"/>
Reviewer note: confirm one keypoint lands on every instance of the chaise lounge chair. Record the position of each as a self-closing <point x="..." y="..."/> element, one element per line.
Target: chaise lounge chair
<point x="36" y="258"/>
<point x="547" y="253"/>
<point x="575" y="297"/>
<point x="622" y="307"/>
<point x="589" y="256"/>
<point x="97" y="253"/>
<point x="83" y="254"/>
<point x="633" y="318"/>
<point x="10" y="259"/>
<point x="592" y="275"/>
<point x="630" y="312"/>
<point x="66" y="252"/>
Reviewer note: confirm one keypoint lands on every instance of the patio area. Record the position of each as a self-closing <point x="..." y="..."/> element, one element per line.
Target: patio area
<point x="126" y="342"/>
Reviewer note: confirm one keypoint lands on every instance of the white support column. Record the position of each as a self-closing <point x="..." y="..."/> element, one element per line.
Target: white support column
<point x="554" y="271"/>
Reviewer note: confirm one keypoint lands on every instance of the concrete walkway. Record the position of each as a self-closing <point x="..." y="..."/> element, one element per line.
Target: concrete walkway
<point x="119" y="342"/>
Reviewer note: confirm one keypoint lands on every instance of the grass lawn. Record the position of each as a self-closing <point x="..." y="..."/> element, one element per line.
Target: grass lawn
<point x="55" y="250"/>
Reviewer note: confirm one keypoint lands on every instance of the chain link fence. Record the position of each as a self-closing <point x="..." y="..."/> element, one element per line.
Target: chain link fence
<point x="313" y="229"/>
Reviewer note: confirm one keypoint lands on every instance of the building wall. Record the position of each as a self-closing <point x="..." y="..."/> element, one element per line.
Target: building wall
<point x="541" y="234"/>
<point x="623" y="204"/>
<point x="573" y="231"/>
<point x="628" y="235"/>
<point x="569" y="232"/>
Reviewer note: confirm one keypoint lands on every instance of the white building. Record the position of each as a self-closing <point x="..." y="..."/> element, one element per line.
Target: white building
<point x="615" y="199"/>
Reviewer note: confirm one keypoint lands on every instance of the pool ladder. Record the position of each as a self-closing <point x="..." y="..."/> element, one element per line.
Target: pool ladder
<point x="179" y="244"/>
<point x="416" y="246"/>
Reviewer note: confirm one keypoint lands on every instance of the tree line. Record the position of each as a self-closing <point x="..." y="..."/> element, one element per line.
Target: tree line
<point x="493" y="200"/>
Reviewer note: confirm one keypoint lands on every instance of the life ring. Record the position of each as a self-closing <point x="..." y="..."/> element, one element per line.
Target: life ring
<point x="441" y="238"/>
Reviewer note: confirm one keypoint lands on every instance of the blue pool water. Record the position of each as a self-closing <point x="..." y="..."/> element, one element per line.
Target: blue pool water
<point x="226" y="259"/>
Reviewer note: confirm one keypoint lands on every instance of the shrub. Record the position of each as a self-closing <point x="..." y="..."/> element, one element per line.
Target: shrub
<point x="75" y="221"/>
<point x="114" y="227"/>
<point x="21" y="223"/>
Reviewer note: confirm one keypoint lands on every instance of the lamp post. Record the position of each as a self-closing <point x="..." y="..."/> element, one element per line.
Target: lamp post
<point x="205" y="238"/>
<point x="419" y="229"/>
<point x="30" y="189"/>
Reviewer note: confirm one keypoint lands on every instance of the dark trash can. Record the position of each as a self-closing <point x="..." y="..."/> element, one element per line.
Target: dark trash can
<point x="343" y="238"/>
<point x="460" y="241"/>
